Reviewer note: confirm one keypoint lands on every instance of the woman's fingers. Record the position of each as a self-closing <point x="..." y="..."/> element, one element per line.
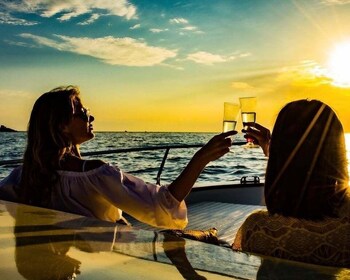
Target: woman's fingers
<point x="218" y="146"/>
<point x="255" y="128"/>
<point x="255" y="125"/>
<point x="221" y="139"/>
<point x="260" y="134"/>
<point x="228" y="133"/>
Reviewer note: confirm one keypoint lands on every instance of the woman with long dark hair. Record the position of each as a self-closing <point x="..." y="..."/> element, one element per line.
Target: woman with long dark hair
<point x="307" y="171"/>
<point x="55" y="176"/>
<point x="306" y="188"/>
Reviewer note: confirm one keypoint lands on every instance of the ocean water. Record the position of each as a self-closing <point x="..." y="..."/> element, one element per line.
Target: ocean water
<point x="232" y="167"/>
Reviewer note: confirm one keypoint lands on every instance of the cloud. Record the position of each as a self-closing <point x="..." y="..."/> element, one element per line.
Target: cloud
<point x="111" y="50"/>
<point x="92" y="18"/>
<point x="6" y="18"/>
<point x="307" y="73"/>
<point x="20" y="44"/>
<point x="205" y="58"/>
<point x="66" y="10"/>
<point x="157" y="30"/>
<point x="178" y="21"/>
<point x="188" y="27"/>
<point x="173" y="66"/>
<point x="192" y="28"/>
<point x="7" y="93"/>
<point x="136" y="26"/>
<point x="241" y="85"/>
<point x="245" y="54"/>
<point x="209" y="58"/>
<point x="335" y="2"/>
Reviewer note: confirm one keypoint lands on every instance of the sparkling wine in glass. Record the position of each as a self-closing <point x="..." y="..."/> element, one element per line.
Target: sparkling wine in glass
<point x="248" y="117"/>
<point x="248" y="114"/>
<point x="231" y="111"/>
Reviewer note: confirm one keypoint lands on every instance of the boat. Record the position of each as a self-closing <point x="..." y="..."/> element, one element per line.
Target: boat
<point x="39" y="243"/>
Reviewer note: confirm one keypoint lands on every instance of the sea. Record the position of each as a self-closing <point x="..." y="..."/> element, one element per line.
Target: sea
<point x="239" y="162"/>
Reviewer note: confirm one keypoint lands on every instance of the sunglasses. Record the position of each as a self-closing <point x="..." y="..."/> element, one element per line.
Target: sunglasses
<point x="84" y="114"/>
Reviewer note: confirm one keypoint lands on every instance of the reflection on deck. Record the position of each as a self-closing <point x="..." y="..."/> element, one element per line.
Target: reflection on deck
<point x="225" y="217"/>
<point x="39" y="243"/>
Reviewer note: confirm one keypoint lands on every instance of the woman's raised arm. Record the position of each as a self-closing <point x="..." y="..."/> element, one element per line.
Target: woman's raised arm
<point x="218" y="146"/>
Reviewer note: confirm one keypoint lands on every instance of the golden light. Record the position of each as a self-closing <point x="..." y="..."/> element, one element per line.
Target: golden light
<point x="347" y="143"/>
<point x="339" y="65"/>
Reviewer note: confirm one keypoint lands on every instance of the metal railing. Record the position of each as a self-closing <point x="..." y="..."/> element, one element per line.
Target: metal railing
<point x="166" y="149"/>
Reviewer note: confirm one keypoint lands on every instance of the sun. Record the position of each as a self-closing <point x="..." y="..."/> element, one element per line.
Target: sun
<point x="339" y="64"/>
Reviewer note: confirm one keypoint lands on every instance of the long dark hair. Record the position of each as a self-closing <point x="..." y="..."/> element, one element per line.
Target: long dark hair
<point x="307" y="173"/>
<point x="46" y="144"/>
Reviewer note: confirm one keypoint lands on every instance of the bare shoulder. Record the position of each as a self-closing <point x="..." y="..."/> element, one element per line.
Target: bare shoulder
<point x="79" y="165"/>
<point x="93" y="164"/>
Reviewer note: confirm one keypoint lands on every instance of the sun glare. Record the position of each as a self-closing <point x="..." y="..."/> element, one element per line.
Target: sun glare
<point x="347" y="144"/>
<point x="339" y="65"/>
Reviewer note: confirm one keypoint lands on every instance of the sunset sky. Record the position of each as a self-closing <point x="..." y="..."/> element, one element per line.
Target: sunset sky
<point x="168" y="65"/>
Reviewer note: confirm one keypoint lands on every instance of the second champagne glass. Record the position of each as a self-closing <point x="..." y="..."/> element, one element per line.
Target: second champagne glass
<point x="248" y="114"/>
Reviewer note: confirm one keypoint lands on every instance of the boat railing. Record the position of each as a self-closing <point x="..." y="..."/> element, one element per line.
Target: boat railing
<point x="166" y="149"/>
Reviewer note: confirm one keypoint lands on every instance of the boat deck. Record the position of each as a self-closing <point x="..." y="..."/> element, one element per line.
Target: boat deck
<point x="38" y="243"/>
<point x="225" y="217"/>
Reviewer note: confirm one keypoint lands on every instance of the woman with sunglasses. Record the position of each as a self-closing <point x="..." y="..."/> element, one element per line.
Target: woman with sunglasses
<point x="55" y="176"/>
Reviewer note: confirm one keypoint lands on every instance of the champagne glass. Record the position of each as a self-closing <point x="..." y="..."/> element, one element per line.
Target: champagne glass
<point x="248" y="107"/>
<point x="231" y="111"/>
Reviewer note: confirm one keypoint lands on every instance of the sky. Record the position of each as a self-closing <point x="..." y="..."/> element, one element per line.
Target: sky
<point x="168" y="65"/>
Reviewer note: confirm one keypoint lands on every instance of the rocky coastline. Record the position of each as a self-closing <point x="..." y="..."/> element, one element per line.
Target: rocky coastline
<point x="6" y="129"/>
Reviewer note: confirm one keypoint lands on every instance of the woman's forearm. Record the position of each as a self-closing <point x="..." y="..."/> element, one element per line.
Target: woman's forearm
<point x="183" y="184"/>
<point x="214" y="149"/>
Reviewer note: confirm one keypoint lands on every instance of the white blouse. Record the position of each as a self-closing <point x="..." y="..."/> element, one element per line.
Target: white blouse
<point x="105" y="191"/>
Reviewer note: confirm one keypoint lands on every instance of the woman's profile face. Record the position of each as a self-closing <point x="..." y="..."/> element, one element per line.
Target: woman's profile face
<point x="80" y="128"/>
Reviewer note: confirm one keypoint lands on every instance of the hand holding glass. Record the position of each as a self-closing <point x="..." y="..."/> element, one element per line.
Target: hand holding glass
<point x="231" y="111"/>
<point x="248" y="107"/>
